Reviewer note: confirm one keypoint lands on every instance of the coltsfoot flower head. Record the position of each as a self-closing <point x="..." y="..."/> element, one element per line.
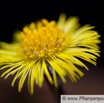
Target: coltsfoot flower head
<point x="49" y="47"/>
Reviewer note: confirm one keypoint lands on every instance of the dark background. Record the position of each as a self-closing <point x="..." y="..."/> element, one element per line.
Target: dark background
<point x="15" y="14"/>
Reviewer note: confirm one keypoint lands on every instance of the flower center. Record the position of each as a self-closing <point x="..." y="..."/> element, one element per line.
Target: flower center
<point x="42" y="40"/>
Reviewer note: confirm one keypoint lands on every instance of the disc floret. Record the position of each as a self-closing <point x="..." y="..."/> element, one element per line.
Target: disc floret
<point x="42" y="40"/>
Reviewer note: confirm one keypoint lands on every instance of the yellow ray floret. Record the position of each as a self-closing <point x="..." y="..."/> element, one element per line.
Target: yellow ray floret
<point x="50" y="49"/>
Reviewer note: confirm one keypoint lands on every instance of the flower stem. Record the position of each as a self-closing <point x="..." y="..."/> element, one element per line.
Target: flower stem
<point x="56" y="91"/>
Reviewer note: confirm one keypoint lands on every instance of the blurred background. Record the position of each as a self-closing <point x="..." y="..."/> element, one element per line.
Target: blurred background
<point x="14" y="15"/>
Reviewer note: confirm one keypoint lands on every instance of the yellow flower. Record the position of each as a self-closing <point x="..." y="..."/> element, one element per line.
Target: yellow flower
<point x="49" y="47"/>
